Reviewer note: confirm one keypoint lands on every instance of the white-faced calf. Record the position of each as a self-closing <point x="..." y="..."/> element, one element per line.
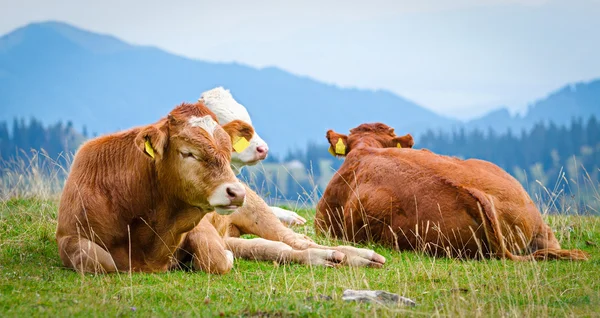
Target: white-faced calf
<point x="277" y="242"/>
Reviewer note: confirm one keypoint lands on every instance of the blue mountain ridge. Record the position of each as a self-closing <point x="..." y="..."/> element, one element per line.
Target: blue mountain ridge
<point x="54" y="71"/>
<point x="578" y="100"/>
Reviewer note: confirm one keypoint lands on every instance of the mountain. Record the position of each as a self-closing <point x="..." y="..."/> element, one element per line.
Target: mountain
<point x="578" y="100"/>
<point x="54" y="71"/>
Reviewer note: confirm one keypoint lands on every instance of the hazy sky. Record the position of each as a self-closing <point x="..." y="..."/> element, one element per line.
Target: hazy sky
<point x="459" y="58"/>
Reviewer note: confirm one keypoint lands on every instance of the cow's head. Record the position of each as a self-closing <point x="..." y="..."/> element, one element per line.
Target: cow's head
<point x="192" y="154"/>
<point x="226" y="108"/>
<point x="376" y="135"/>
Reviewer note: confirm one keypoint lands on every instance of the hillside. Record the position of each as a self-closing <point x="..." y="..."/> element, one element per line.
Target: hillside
<point x="54" y="71"/>
<point x="578" y="100"/>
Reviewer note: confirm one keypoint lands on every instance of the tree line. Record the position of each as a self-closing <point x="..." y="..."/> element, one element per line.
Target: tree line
<point x="546" y="156"/>
<point x="58" y="140"/>
<point x="543" y="156"/>
<point x="546" y="144"/>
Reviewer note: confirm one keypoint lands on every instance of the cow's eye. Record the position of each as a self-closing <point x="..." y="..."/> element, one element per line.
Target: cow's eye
<point x="189" y="155"/>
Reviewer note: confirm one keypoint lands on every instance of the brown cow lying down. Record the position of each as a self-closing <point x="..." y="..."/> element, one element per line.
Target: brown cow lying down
<point x="276" y="242"/>
<point x="132" y="197"/>
<point x="417" y="200"/>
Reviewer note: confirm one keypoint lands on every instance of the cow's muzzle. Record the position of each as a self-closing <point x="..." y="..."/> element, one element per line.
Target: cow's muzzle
<point x="228" y="197"/>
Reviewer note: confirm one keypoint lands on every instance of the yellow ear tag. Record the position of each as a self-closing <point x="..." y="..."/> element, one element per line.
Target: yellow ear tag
<point x="398" y="145"/>
<point x="149" y="149"/>
<point x="331" y="151"/>
<point x="340" y="148"/>
<point x="240" y="144"/>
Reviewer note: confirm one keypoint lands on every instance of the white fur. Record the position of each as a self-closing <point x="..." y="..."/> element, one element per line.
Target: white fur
<point x="288" y="217"/>
<point x="356" y="251"/>
<point x="204" y="122"/>
<point x="221" y="102"/>
<point x="219" y="198"/>
<point x="229" y="256"/>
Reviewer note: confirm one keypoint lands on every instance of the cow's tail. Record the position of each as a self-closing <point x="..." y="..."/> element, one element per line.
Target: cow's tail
<point x="555" y="253"/>
<point x="497" y="244"/>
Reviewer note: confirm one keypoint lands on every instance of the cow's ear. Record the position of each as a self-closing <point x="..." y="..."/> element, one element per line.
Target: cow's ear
<point x="338" y="143"/>
<point x="152" y="141"/>
<point x="405" y="141"/>
<point x="240" y="133"/>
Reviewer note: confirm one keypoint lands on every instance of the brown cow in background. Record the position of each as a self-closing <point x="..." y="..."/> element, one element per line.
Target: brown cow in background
<point x="132" y="197"/>
<point x="417" y="200"/>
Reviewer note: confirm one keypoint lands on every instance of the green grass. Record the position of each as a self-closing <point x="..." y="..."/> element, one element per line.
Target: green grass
<point x="33" y="282"/>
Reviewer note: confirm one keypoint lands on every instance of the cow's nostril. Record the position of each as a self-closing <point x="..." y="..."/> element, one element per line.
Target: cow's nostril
<point x="262" y="151"/>
<point x="236" y="194"/>
<point x="231" y="193"/>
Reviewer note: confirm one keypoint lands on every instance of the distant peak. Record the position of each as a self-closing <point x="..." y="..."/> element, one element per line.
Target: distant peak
<point x="51" y="24"/>
<point x="501" y="111"/>
<point x="57" y="26"/>
<point x="89" y="40"/>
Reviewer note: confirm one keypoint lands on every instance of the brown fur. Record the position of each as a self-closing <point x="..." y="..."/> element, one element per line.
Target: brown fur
<point x="239" y="129"/>
<point x="123" y="210"/>
<point x="418" y="200"/>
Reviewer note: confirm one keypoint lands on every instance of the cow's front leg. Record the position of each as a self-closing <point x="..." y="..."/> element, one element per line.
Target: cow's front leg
<point x="355" y="257"/>
<point x="259" y="249"/>
<point x="207" y="249"/>
<point x="257" y="218"/>
<point x="85" y="256"/>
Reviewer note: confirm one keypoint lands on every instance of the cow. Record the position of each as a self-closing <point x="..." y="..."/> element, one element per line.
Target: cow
<point x="276" y="242"/>
<point x="411" y="199"/>
<point x="226" y="108"/>
<point x="132" y="197"/>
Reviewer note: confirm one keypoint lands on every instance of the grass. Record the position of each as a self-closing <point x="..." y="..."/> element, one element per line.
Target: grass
<point x="33" y="281"/>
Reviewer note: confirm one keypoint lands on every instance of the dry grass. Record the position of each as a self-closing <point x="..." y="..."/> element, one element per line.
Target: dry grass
<point x="33" y="175"/>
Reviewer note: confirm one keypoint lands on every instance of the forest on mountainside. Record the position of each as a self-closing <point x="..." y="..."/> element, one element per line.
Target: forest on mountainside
<point x="24" y="138"/>
<point x="546" y="159"/>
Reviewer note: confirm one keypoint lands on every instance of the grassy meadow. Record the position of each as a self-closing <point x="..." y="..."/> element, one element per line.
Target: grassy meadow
<point x="34" y="283"/>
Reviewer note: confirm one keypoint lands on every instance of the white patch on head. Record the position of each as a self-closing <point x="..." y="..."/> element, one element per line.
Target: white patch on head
<point x="227" y="109"/>
<point x="204" y="122"/>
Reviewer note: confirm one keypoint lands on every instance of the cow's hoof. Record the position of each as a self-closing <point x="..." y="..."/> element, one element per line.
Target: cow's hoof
<point x="359" y="257"/>
<point x="329" y="258"/>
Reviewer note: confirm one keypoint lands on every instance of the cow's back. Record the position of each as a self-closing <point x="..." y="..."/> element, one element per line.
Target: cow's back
<point x="386" y="193"/>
